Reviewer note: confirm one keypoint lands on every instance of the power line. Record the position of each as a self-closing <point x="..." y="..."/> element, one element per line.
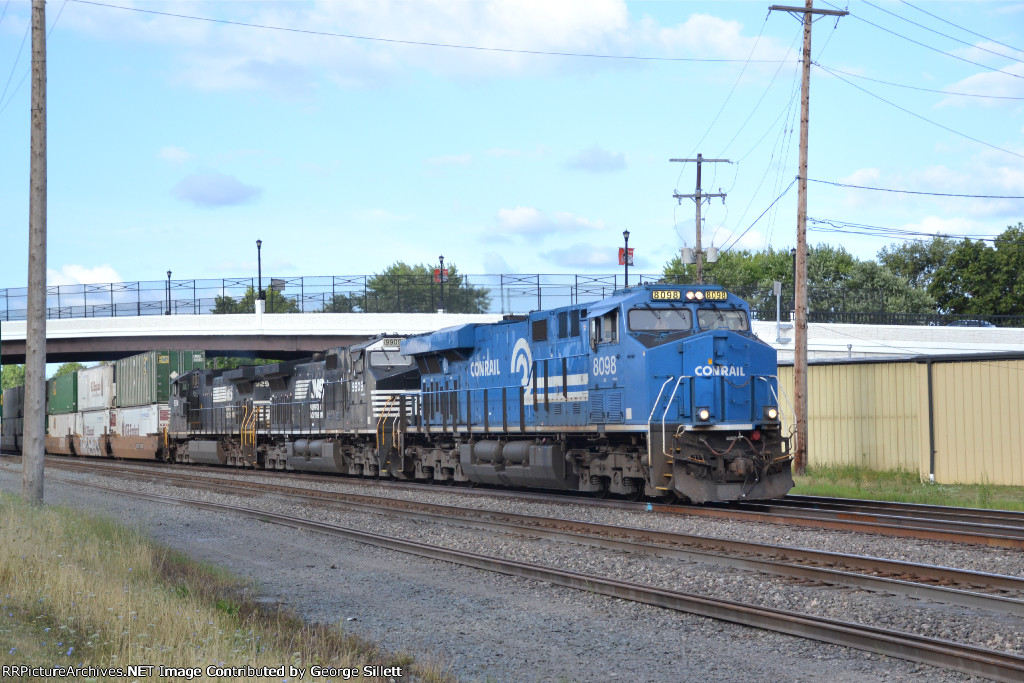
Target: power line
<point x="918" y="116"/>
<point x="944" y="35"/>
<point x="931" y="194"/>
<point x="14" y="92"/>
<point x="914" y="87"/>
<point x="420" y="43"/>
<point x="935" y="16"/>
<point x="927" y="47"/>
<point x="740" y="236"/>
<point x="835" y="225"/>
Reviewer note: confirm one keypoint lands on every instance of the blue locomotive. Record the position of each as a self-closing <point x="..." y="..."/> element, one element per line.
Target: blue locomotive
<point x="659" y="390"/>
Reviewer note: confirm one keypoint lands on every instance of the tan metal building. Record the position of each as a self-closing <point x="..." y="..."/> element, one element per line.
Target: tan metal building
<point x="952" y="419"/>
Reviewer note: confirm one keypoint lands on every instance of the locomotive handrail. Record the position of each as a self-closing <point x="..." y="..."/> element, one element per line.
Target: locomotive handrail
<point x="650" y="418"/>
<point x="665" y="414"/>
<point x="383" y="417"/>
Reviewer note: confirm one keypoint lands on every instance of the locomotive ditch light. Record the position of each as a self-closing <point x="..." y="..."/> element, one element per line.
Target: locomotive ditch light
<point x="703" y="414"/>
<point x="771" y="413"/>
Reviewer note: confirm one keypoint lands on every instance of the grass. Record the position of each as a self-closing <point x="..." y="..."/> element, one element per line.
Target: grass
<point x="78" y="590"/>
<point x="904" y="487"/>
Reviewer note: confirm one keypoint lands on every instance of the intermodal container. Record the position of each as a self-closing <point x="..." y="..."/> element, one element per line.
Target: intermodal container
<point x="14" y="402"/>
<point x="147" y="377"/>
<point x="96" y="388"/>
<point x="62" y="395"/>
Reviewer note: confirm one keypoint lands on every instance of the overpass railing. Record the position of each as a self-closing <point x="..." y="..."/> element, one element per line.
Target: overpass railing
<point x="339" y="294"/>
<point x="416" y="293"/>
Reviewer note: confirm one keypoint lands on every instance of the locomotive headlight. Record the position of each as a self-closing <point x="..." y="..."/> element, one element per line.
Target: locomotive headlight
<point x="771" y="413"/>
<point x="703" y="414"/>
<point x="689" y="296"/>
<point x="699" y="296"/>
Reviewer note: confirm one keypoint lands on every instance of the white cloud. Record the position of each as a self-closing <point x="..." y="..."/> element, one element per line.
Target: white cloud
<point x="80" y="275"/>
<point x="529" y="221"/>
<point x="604" y="258"/>
<point x="210" y="189"/>
<point x="175" y="155"/>
<point x="373" y="39"/>
<point x="597" y="160"/>
<point x="1007" y="82"/>
<point x="495" y="264"/>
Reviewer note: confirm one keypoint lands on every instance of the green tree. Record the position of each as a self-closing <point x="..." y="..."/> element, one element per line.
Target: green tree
<point x="977" y="279"/>
<point x="276" y="303"/>
<point x="342" y="303"/>
<point x="12" y="376"/>
<point x="917" y="261"/>
<point x="68" y="369"/>
<point x="402" y="288"/>
<point x="232" y="362"/>
<point x="837" y="282"/>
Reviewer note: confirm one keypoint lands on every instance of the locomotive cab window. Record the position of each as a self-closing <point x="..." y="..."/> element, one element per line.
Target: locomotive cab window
<point x="734" y="320"/>
<point x="605" y="330"/>
<point x="660" y="320"/>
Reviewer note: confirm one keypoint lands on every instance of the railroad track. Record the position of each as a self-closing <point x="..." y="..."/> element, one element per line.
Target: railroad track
<point x="965" y="658"/>
<point x="993" y="528"/>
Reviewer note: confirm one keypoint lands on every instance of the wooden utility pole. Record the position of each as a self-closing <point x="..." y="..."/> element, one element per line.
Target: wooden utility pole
<point x="800" y="324"/>
<point x="35" y="334"/>
<point x="698" y="198"/>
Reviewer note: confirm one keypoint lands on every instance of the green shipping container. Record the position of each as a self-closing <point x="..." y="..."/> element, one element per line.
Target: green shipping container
<point x="146" y="378"/>
<point x="62" y="395"/>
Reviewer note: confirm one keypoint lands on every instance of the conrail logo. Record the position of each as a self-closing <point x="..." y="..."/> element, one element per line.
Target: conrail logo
<point x="719" y="371"/>
<point x="522" y="360"/>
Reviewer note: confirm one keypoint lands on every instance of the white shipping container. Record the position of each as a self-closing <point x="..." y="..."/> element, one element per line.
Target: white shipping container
<point x="96" y="388"/>
<point x="62" y="425"/>
<point x="95" y="428"/>
<point x="142" y="420"/>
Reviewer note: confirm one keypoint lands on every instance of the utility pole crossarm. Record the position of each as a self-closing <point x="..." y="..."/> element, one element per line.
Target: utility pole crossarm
<point x="802" y="10"/>
<point x="698" y="199"/>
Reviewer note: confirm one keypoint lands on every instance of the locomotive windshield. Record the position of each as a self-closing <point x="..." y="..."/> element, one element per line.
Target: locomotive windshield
<point x="734" y="320"/>
<point x="388" y="359"/>
<point x="660" y="320"/>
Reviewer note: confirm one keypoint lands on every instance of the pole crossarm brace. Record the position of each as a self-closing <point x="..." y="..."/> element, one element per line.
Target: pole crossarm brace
<point x="804" y="10"/>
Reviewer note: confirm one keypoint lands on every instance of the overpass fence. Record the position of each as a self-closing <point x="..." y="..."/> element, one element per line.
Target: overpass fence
<point x="504" y="294"/>
<point x="414" y="293"/>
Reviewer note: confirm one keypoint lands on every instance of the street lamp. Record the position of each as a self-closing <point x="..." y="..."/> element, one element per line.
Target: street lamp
<point x="259" y="269"/>
<point x="625" y="254"/>
<point x="168" y="293"/>
<point x="441" y="259"/>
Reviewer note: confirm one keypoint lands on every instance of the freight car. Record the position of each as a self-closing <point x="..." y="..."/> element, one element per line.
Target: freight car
<point x="658" y="391"/>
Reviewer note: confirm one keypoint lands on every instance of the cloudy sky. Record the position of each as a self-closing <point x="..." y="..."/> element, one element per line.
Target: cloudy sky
<point x="512" y="136"/>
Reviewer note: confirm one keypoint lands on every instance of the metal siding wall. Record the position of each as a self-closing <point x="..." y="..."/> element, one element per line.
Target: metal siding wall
<point x="865" y="414"/>
<point x="977" y="422"/>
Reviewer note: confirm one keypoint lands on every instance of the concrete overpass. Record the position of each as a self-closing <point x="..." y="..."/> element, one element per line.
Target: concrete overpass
<point x="280" y="336"/>
<point x="296" y="335"/>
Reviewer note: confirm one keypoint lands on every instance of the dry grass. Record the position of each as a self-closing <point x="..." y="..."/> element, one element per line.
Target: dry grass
<point x="84" y="591"/>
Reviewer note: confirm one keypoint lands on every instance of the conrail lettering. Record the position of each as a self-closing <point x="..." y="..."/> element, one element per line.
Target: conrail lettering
<point x="719" y="371"/>
<point x="485" y="367"/>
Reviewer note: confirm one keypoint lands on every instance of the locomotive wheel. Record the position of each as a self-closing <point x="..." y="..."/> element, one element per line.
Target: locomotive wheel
<point x="638" y="492"/>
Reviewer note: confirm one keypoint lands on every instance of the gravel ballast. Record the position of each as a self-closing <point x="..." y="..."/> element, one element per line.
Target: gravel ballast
<point x="493" y="627"/>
